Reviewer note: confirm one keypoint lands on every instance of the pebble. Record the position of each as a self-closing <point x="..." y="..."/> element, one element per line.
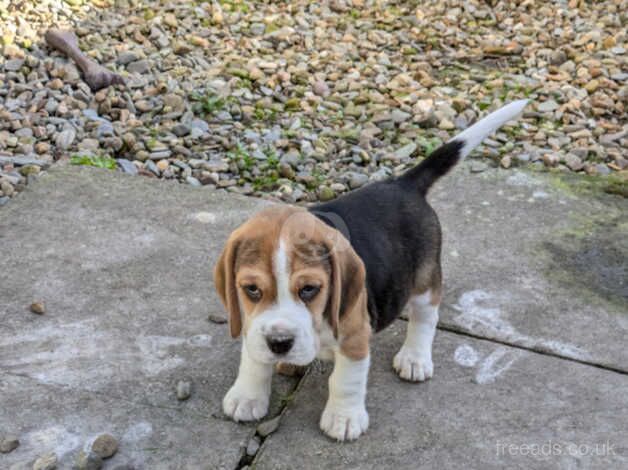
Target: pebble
<point x="547" y="106"/>
<point x="88" y="461"/>
<point x="38" y="307"/>
<point x="9" y="444"/>
<point x="65" y="139"/>
<point x="216" y="318"/>
<point x="406" y="151"/>
<point x="139" y="67"/>
<point x="46" y="462"/>
<point x="105" y="446"/>
<point x="127" y="166"/>
<point x="184" y="390"/>
<point x="268" y="427"/>
<point x="253" y="446"/>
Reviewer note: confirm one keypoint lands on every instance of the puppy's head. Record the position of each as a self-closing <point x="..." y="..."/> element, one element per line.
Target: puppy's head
<point x="284" y="276"/>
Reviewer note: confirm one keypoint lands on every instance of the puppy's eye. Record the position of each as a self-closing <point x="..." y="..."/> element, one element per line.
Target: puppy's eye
<point x="253" y="292"/>
<point x="308" y="292"/>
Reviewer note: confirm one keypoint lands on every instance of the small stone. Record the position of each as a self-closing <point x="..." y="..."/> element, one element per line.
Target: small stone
<point x="268" y="427"/>
<point x="325" y="193"/>
<point x="163" y="165"/>
<point x="184" y="390"/>
<point x="65" y="138"/>
<point x="27" y="170"/>
<point x="105" y="446"/>
<point x="170" y="20"/>
<point x="592" y="86"/>
<point x="126" y="58"/>
<point x="478" y="167"/>
<point x="38" y="307"/>
<point x="405" y="151"/>
<point x="7" y="188"/>
<point x="55" y="84"/>
<point x="127" y="166"/>
<point x="252" y="447"/>
<point x="547" y="106"/>
<point x="573" y="162"/>
<point x="9" y="444"/>
<point x="558" y="57"/>
<point x="357" y="180"/>
<point x="46" y="462"/>
<point x="88" y="461"/>
<point x="13" y="65"/>
<point x="139" y="67"/>
<point x="181" y="130"/>
<point x="446" y="124"/>
<point x="215" y="318"/>
<point x="193" y="182"/>
<point x="320" y="88"/>
<point x="506" y="161"/>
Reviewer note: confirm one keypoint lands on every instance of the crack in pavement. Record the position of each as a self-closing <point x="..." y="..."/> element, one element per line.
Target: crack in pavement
<point x="462" y="332"/>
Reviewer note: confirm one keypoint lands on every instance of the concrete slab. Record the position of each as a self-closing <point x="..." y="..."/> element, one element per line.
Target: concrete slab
<point x="124" y="268"/>
<point x="489" y="406"/>
<point x="533" y="260"/>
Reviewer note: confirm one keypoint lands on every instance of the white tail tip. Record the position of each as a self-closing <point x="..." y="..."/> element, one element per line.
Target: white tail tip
<point x="474" y="135"/>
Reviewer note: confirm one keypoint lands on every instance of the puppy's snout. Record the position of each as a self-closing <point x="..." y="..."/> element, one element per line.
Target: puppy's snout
<point x="280" y="343"/>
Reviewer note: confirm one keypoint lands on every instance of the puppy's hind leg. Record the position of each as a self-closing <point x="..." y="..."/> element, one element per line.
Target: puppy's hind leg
<point x="413" y="362"/>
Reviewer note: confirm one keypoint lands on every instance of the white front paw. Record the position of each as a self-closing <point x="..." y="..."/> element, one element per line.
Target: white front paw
<point x="413" y="365"/>
<point x="344" y="424"/>
<point x="244" y="405"/>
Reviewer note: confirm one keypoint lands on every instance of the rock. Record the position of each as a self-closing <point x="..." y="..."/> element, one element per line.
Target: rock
<point x="64" y="139"/>
<point x="357" y="180"/>
<point x="126" y="57"/>
<point x="13" y="65"/>
<point x="7" y="188"/>
<point x="478" y="167"/>
<point x="406" y="151"/>
<point x="105" y="446"/>
<point x="193" y="181"/>
<point x="184" y="390"/>
<point x="268" y="427"/>
<point x="547" y="106"/>
<point x="320" y="88"/>
<point x="88" y="461"/>
<point x="506" y="161"/>
<point x="46" y="462"/>
<point x="9" y="444"/>
<point x="127" y="166"/>
<point x="325" y="193"/>
<point x="253" y="446"/>
<point x="181" y="130"/>
<point x="216" y="318"/>
<point x="558" y="57"/>
<point x="38" y="307"/>
<point x="163" y="165"/>
<point x="139" y="67"/>
<point x="573" y="162"/>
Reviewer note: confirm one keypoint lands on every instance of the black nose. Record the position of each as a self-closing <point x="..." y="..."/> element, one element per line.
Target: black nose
<point x="280" y="344"/>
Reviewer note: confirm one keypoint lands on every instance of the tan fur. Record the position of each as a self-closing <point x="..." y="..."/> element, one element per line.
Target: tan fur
<point x="318" y="255"/>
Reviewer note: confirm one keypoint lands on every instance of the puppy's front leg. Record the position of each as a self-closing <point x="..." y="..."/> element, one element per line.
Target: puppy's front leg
<point x="345" y="416"/>
<point x="247" y="400"/>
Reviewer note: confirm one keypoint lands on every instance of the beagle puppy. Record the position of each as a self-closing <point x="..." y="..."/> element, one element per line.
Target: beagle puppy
<point x="305" y="283"/>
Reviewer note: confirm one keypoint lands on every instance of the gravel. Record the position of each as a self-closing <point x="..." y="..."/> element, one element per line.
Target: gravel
<point x="292" y="100"/>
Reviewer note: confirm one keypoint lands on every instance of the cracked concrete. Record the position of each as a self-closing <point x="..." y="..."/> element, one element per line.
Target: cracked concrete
<point x="531" y="348"/>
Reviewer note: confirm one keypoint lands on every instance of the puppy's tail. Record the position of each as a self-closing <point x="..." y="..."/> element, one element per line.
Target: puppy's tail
<point x="446" y="156"/>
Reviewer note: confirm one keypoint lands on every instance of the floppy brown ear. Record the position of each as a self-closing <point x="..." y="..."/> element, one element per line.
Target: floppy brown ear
<point x="348" y="281"/>
<point x="224" y="279"/>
